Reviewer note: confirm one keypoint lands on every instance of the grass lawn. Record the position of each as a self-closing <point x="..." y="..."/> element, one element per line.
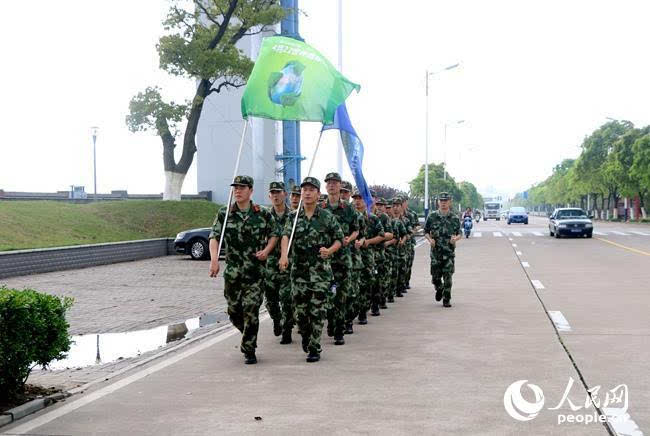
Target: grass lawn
<point x="40" y="224"/>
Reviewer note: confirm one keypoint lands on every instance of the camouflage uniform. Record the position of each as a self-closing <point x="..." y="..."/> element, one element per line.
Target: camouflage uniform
<point x="383" y="261"/>
<point x="353" y="302"/>
<point x="441" y="228"/>
<point x="277" y="283"/>
<point x="415" y="222"/>
<point x="369" y="290"/>
<point x="311" y="276"/>
<point x="405" y="254"/>
<point x="341" y="267"/>
<point x="246" y="233"/>
<point x="399" y="230"/>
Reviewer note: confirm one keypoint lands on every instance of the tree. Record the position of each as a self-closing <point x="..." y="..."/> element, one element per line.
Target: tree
<point x="470" y="196"/>
<point x="437" y="183"/>
<point x="199" y="45"/>
<point x="386" y="192"/>
<point x="640" y="170"/>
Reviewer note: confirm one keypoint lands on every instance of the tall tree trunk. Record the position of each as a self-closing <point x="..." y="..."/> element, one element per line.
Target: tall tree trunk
<point x="173" y="185"/>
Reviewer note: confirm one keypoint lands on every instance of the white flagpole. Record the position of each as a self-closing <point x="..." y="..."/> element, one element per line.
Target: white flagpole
<point x="311" y="166"/>
<point x="225" y="219"/>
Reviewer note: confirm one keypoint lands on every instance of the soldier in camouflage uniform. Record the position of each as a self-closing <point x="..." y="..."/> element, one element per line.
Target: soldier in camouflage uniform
<point x="277" y="284"/>
<point x="392" y="253"/>
<point x="406" y="246"/>
<point x="251" y="235"/>
<point x="342" y="261"/>
<point x="317" y="237"/>
<point x="352" y="300"/>
<point x="415" y="224"/>
<point x="382" y="258"/>
<point x="401" y="233"/>
<point x="372" y="234"/>
<point x="442" y="230"/>
<point x="294" y="199"/>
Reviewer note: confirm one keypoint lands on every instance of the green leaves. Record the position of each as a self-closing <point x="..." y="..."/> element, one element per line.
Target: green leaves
<point x="33" y="330"/>
<point x="148" y="111"/>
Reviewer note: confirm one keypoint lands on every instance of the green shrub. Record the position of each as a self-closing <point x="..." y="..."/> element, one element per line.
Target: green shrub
<point x="33" y="331"/>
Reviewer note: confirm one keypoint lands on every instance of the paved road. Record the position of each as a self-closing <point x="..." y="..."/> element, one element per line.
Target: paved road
<point x="419" y="367"/>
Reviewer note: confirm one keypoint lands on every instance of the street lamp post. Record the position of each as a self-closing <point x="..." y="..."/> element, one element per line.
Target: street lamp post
<point x="426" y="134"/>
<point x="94" y="130"/>
<point x="447" y="124"/>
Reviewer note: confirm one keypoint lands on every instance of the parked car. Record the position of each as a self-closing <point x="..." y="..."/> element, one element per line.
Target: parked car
<point x="194" y="242"/>
<point x="517" y="215"/>
<point x="570" y="222"/>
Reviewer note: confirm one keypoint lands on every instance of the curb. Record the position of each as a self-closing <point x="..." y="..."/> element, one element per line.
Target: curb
<point x="30" y="407"/>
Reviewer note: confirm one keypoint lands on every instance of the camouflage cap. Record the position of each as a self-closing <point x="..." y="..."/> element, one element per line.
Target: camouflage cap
<point x="380" y="201"/>
<point x="396" y="200"/>
<point x="389" y="205"/>
<point x="333" y="176"/>
<point x="243" y="181"/>
<point x="346" y="186"/>
<point x="295" y="190"/>
<point x="313" y="181"/>
<point x="356" y="193"/>
<point x="276" y="186"/>
<point x="444" y="196"/>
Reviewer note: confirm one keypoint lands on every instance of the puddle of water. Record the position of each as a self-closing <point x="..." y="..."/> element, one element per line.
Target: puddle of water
<point x="95" y="349"/>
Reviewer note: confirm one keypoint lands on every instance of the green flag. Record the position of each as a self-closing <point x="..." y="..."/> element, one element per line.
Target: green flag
<point x="293" y="81"/>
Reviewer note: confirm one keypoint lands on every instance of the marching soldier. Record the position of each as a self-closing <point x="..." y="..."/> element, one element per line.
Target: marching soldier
<point x="277" y="283"/>
<point x="442" y="230"/>
<point x="382" y="257"/>
<point x="316" y="238"/>
<point x="250" y="235"/>
<point x="415" y="224"/>
<point x="401" y="234"/>
<point x="392" y="253"/>
<point x="342" y="262"/>
<point x="294" y="199"/>
<point x="373" y="234"/>
<point x="346" y="191"/>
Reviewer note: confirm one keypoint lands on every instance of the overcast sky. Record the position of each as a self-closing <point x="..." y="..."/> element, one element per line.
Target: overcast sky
<point x="535" y="78"/>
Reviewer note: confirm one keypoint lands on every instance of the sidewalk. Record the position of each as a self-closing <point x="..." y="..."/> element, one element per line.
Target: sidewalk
<point x="417" y="368"/>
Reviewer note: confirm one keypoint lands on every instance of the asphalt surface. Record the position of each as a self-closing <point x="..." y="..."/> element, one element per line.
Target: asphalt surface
<point x="526" y="307"/>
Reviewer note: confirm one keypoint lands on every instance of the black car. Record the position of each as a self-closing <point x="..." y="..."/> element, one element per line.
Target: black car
<point x="194" y="242"/>
<point x="570" y="222"/>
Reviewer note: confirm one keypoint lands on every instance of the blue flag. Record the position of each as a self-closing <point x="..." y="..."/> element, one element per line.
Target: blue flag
<point x="353" y="150"/>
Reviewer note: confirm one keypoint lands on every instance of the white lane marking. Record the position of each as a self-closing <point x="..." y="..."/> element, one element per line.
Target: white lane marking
<point x="640" y="233"/>
<point x="497" y="234"/>
<point x="516" y="233"/>
<point x="619" y="233"/>
<point x="478" y="234"/>
<point x="559" y="320"/>
<point x="519" y="253"/>
<point x="514" y="245"/>
<point x="538" y="234"/>
<point x="525" y="264"/>
<point x="600" y="233"/>
<point x="621" y="421"/>
<point x="510" y="239"/>
<point x="537" y="284"/>
<point x="87" y="399"/>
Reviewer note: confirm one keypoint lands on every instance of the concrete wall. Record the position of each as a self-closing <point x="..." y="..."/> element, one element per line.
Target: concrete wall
<point x="24" y="262"/>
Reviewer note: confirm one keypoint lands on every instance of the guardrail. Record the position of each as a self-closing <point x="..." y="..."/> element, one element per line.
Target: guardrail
<point x="24" y="262"/>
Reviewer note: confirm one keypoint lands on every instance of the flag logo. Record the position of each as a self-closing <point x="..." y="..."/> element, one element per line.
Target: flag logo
<point x="285" y="87"/>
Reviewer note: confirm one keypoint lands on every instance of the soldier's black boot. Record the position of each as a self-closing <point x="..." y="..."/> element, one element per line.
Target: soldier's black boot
<point x="348" y="329"/>
<point x="277" y="327"/>
<point x="330" y="329"/>
<point x="391" y="299"/>
<point x="363" y="318"/>
<point x="338" y="340"/>
<point x="250" y="358"/>
<point x="382" y="305"/>
<point x="314" y="356"/>
<point x="408" y="286"/>
<point x="446" y="303"/>
<point x="374" y="309"/>
<point x="399" y="293"/>
<point x="438" y="294"/>
<point x="286" y="337"/>
<point x="305" y="343"/>
<point x="404" y="290"/>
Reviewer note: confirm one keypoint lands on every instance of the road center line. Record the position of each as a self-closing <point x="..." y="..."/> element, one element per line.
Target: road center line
<point x="478" y="234"/>
<point x="559" y="320"/>
<point x="537" y="234"/>
<point x="518" y="253"/>
<point x="634" y="250"/>
<point x="514" y="245"/>
<point x="525" y="264"/>
<point x="537" y="284"/>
